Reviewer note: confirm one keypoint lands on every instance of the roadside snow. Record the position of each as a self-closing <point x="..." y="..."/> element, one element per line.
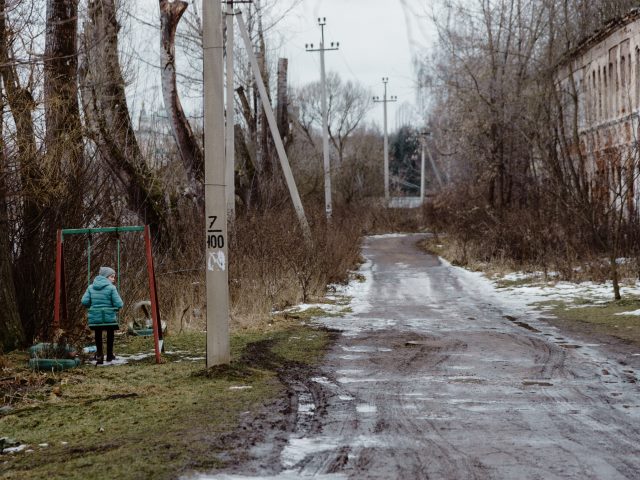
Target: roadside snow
<point x="388" y="235"/>
<point x="286" y="475"/>
<point x="356" y="290"/>
<point x="544" y="291"/>
<point x="330" y="308"/>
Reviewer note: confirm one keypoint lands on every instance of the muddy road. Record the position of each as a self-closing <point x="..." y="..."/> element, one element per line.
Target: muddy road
<point x="434" y="376"/>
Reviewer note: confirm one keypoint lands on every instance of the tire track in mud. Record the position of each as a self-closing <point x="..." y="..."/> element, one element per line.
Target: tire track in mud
<point x="432" y="379"/>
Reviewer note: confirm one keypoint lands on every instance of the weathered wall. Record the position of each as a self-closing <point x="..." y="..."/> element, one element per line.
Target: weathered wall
<point x="604" y="74"/>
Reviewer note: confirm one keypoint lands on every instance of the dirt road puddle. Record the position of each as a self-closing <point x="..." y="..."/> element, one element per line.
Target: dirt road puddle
<point x="536" y="383"/>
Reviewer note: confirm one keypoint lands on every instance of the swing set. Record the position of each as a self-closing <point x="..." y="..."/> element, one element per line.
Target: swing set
<point x="60" y="311"/>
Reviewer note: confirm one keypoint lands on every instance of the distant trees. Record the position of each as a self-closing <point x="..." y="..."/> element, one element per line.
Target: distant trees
<point x="485" y="84"/>
<point x="347" y="106"/>
<point x="404" y="148"/>
<point x="518" y="154"/>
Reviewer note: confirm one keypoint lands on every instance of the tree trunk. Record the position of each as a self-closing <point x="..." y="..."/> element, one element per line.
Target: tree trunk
<point x="108" y="118"/>
<point x="247" y="173"/>
<point x="190" y="152"/>
<point x="64" y="136"/>
<point x="614" y="277"/>
<point x="11" y="333"/>
<point x="21" y="104"/>
<point x="282" y="108"/>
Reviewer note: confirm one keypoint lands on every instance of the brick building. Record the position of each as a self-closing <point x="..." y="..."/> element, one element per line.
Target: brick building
<point x="600" y="95"/>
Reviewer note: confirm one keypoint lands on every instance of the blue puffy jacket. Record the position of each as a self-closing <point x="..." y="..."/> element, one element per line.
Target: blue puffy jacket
<point x="103" y="301"/>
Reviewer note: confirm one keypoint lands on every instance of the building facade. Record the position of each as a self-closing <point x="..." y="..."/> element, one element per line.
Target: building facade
<point x="599" y="84"/>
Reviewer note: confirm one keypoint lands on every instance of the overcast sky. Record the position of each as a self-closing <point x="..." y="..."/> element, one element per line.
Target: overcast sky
<point x="378" y="38"/>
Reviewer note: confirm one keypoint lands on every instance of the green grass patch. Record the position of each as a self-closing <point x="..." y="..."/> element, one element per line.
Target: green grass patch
<point x="143" y="420"/>
<point x="606" y="318"/>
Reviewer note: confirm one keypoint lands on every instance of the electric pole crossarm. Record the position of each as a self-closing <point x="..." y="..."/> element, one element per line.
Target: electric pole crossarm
<point x="271" y="119"/>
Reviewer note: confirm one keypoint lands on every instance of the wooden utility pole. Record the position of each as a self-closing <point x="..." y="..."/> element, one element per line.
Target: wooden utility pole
<point x="325" y="116"/>
<point x="217" y="278"/>
<point x="277" y="139"/>
<point x="384" y="101"/>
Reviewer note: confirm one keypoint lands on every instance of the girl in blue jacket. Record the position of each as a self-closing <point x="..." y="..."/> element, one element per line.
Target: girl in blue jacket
<point x="103" y="301"/>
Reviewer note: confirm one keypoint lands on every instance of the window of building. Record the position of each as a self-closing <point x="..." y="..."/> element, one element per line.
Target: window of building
<point x="614" y="86"/>
<point x="637" y="77"/>
<point x="623" y="82"/>
<point x="605" y="94"/>
<point x="594" y="97"/>
<point x="599" y="94"/>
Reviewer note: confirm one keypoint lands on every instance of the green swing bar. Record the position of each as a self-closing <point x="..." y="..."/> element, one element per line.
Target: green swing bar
<point x="60" y="303"/>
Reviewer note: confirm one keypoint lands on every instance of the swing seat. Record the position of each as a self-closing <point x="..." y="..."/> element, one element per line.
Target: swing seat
<point x="53" y="364"/>
<point x="51" y="350"/>
<point x="52" y="357"/>
<point x="142" y="324"/>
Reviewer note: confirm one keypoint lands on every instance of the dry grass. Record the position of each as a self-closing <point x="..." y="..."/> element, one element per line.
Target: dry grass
<point x="479" y="237"/>
<point x="271" y="266"/>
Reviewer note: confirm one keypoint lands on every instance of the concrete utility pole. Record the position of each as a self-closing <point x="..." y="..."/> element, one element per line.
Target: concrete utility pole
<point x="423" y="144"/>
<point x="217" y="279"/>
<point x="384" y="101"/>
<point x="325" y="116"/>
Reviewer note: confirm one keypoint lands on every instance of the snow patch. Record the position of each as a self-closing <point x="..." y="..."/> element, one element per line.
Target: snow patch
<point x="366" y="408"/>
<point x="635" y="313"/>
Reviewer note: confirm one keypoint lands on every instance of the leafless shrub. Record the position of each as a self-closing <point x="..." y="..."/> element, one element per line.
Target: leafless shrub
<point x="272" y="267"/>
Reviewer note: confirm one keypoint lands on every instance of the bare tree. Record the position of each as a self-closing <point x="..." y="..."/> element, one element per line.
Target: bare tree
<point x="64" y="144"/>
<point x="11" y="333"/>
<point x="109" y="121"/>
<point x="32" y="180"/>
<point x="347" y="105"/>
<point x="190" y="151"/>
<point x="516" y="130"/>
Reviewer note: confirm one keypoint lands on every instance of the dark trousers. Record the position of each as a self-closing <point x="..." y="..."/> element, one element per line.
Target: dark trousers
<point x="110" y="334"/>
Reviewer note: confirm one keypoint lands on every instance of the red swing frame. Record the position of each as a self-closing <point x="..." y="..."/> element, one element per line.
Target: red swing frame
<point x="60" y="311"/>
